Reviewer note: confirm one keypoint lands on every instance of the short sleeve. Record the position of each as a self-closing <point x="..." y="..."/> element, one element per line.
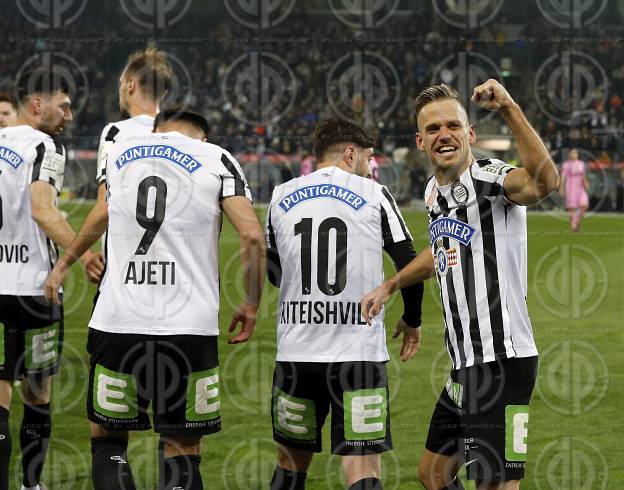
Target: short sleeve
<point x="49" y="164"/>
<point x="393" y="228"/>
<point x="233" y="181"/>
<point x="269" y="230"/>
<point x="489" y="177"/>
<point x="106" y="141"/>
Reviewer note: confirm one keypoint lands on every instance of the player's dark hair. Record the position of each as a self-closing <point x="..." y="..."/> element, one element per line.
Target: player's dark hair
<point x="434" y="93"/>
<point x="5" y="97"/>
<point x="185" y="115"/>
<point x="41" y="81"/>
<point x="152" y="70"/>
<point x="335" y="131"/>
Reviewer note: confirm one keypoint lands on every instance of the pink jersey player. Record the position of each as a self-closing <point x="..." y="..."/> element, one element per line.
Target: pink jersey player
<point x="307" y="165"/>
<point x="574" y="188"/>
<point x="374" y="169"/>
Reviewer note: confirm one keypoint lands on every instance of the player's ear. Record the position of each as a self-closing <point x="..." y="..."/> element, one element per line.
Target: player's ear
<point x="420" y="144"/>
<point x="36" y="104"/>
<point x="131" y="84"/>
<point x="472" y="135"/>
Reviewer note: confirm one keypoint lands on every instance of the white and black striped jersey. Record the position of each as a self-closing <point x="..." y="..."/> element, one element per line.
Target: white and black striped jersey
<point x="164" y="206"/>
<point x="133" y="127"/>
<point x="26" y="254"/>
<point x="479" y="244"/>
<point x="329" y="229"/>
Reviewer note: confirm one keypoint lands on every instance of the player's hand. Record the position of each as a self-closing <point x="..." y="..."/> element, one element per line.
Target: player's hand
<point x="93" y="263"/>
<point x="372" y="302"/>
<point x="492" y="96"/>
<point x="411" y="339"/>
<point x="245" y="314"/>
<point x="53" y="283"/>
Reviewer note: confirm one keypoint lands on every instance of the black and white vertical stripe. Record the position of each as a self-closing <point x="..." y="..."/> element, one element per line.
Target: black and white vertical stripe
<point x="475" y="294"/>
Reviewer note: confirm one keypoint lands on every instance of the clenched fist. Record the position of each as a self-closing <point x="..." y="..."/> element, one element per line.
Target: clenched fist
<point x="492" y="96"/>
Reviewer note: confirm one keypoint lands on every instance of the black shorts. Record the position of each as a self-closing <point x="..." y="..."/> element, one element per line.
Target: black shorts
<point x="482" y="415"/>
<point x="357" y="393"/>
<point x="178" y="374"/>
<point x="31" y="337"/>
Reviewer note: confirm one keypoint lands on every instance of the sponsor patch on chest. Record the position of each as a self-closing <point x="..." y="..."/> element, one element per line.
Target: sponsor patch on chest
<point x="451" y="228"/>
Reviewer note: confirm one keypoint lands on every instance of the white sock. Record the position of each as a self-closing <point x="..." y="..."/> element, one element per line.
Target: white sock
<point x="36" y="487"/>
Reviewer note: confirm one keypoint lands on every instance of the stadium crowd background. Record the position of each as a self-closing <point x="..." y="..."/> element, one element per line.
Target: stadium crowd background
<point x="264" y="88"/>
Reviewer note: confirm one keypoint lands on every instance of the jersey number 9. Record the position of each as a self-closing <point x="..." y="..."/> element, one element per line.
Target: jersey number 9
<point x="150" y="224"/>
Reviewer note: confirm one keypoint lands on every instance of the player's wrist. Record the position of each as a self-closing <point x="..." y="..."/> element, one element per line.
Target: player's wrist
<point x="391" y="285"/>
<point x="509" y="107"/>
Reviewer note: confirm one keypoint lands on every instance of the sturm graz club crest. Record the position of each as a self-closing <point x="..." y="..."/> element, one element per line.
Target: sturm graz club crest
<point x="459" y="193"/>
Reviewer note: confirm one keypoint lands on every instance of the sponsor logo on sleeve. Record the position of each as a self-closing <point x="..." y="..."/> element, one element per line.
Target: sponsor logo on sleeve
<point x="54" y="163"/>
<point x="9" y="156"/>
<point x="166" y="152"/>
<point x="497" y="168"/>
<point x="331" y="191"/>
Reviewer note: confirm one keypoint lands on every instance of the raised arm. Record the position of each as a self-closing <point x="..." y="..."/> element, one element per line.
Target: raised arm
<point x="539" y="176"/>
<point x="240" y="212"/>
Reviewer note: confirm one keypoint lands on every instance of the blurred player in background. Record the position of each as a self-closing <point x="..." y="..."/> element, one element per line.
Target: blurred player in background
<point x="8" y="111"/>
<point x="326" y="233"/>
<point x="153" y="332"/>
<point x="142" y="85"/>
<point x="574" y="185"/>
<point x="374" y="170"/>
<point x="32" y="168"/>
<point x="478" y="251"/>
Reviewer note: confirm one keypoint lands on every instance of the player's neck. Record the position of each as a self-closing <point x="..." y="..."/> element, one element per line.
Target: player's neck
<point x="26" y="120"/>
<point x="445" y="176"/>
<point x="341" y="165"/>
<point x="143" y="107"/>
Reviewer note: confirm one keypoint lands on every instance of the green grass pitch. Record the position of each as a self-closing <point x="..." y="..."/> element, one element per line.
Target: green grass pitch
<point x="576" y="431"/>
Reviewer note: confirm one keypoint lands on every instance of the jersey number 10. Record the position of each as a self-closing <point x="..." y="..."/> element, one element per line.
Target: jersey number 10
<point x="304" y="228"/>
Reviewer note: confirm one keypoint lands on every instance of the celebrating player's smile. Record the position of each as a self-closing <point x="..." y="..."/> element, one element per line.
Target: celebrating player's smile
<point x="478" y="240"/>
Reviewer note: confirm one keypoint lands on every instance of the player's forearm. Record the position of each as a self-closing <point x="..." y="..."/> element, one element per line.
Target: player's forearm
<point x="418" y="270"/>
<point x="253" y="256"/>
<point x="51" y="221"/>
<point x="533" y="154"/>
<point x="92" y="229"/>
